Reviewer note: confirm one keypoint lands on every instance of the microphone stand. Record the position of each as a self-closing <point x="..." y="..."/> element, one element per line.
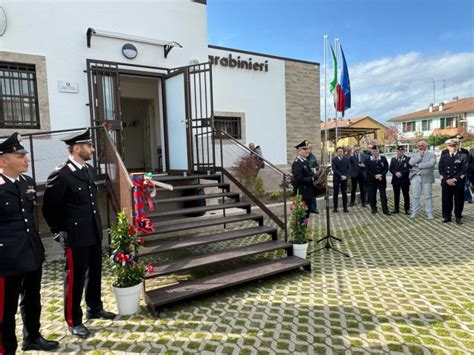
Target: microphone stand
<point x="328" y="238"/>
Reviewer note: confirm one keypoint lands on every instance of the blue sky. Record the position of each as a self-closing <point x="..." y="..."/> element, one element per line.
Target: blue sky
<point x="410" y="41"/>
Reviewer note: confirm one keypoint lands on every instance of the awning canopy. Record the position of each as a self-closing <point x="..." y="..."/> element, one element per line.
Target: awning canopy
<point x="346" y="132"/>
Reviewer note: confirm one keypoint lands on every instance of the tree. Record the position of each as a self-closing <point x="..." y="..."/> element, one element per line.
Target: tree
<point x="437" y="139"/>
<point x="390" y="135"/>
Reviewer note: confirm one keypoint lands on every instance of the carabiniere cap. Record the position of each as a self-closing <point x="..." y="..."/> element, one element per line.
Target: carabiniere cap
<point x="82" y="137"/>
<point x="12" y="145"/>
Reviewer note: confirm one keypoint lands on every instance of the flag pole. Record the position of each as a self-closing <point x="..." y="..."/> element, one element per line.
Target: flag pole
<point x="336" y="41"/>
<point x="325" y="40"/>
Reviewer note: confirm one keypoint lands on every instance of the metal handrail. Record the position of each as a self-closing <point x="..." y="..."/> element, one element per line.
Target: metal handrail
<point x="282" y="224"/>
<point x="229" y="137"/>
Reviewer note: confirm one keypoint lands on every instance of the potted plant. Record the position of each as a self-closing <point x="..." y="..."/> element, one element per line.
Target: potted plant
<point x="299" y="230"/>
<point x="129" y="272"/>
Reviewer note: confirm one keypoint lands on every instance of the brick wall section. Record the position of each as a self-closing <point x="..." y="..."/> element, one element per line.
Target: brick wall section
<point x="302" y="107"/>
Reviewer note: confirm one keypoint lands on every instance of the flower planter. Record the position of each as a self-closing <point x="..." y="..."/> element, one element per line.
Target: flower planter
<point x="300" y="250"/>
<point x="128" y="299"/>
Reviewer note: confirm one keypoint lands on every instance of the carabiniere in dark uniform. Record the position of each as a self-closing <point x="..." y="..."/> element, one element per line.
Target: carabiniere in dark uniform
<point x="453" y="165"/>
<point x="303" y="176"/>
<point x="399" y="164"/>
<point x="21" y="254"/>
<point x="70" y="208"/>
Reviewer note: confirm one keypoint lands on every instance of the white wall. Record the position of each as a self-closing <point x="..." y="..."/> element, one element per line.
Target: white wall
<point x="57" y="30"/>
<point x="260" y="95"/>
<point x="470" y="122"/>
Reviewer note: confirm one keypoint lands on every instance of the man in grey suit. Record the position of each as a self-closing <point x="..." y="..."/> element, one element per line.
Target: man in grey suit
<point x="422" y="178"/>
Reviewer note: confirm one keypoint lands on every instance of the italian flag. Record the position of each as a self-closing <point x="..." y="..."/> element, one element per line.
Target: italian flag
<point x="335" y="88"/>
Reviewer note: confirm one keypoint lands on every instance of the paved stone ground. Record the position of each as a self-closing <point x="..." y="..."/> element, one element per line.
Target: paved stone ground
<point x="407" y="288"/>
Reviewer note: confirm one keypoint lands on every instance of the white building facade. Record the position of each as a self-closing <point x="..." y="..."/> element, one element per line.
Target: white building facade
<point x="67" y="65"/>
<point x="446" y="118"/>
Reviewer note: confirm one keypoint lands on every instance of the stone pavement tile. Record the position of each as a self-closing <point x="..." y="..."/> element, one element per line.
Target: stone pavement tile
<point x="407" y="288"/>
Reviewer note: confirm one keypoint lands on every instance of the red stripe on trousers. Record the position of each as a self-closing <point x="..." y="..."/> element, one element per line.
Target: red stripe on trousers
<point x="70" y="284"/>
<point x="2" y="301"/>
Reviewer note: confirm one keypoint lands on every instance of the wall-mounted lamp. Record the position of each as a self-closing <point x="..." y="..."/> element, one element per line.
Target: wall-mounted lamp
<point x="129" y="51"/>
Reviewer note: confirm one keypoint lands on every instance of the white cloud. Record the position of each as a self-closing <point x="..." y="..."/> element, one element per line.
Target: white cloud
<point x="390" y="87"/>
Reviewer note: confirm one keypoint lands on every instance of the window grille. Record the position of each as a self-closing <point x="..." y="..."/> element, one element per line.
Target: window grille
<point x="18" y="96"/>
<point x="230" y="125"/>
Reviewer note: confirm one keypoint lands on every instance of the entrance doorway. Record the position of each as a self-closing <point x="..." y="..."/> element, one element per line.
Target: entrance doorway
<point x="141" y="116"/>
<point x="136" y="126"/>
<point x="159" y="119"/>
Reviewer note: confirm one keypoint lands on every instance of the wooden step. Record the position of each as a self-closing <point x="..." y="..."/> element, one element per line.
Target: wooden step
<point x="170" y="245"/>
<point x="168" y="178"/>
<point x="184" y="211"/>
<point x="216" y="257"/>
<point x="224" y="186"/>
<point x="167" y="227"/>
<point x="234" y="195"/>
<point x="165" y="295"/>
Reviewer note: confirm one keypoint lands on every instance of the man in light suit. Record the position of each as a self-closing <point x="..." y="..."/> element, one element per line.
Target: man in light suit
<point x="422" y="178"/>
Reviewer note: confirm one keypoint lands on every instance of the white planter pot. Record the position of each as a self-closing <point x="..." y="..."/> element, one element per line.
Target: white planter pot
<point x="128" y="299"/>
<point x="300" y="250"/>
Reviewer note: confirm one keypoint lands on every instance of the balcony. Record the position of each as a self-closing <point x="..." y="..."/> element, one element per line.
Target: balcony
<point x="447" y="131"/>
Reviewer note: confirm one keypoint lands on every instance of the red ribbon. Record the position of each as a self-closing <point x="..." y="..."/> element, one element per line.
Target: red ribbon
<point x="143" y="189"/>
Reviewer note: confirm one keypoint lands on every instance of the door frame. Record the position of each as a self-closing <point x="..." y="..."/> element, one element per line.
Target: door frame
<point x="116" y="69"/>
<point x="179" y="71"/>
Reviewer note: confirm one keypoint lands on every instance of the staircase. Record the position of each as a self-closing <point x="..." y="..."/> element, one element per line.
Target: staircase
<point x="199" y="224"/>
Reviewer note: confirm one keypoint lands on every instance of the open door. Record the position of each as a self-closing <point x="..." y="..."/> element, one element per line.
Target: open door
<point x="104" y="102"/>
<point x="188" y="119"/>
<point x="177" y="127"/>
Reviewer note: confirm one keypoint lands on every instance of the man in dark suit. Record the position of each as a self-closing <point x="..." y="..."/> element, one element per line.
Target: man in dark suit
<point x="377" y="168"/>
<point x="21" y="252"/>
<point x="453" y="168"/>
<point x="341" y="168"/>
<point x="400" y="170"/>
<point x="303" y="176"/>
<point x="358" y="174"/>
<point x="70" y="208"/>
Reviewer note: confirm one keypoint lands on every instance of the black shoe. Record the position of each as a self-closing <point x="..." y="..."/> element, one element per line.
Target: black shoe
<point x="374" y="211"/>
<point x="395" y="211"/>
<point x="364" y="205"/>
<point x="351" y="204"/>
<point x="346" y="210"/>
<point x="335" y="210"/>
<point x="80" y="331"/>
<point x="446" y="220"/>
<point x="314" y="211"/>
<point x="102" y="314"/>
<point x="458" y="220"/>
<point x="407" y="212"/>
<point x="470" y="201"/>
<point x="386" y="213"/>
<point x="39" y="344"/>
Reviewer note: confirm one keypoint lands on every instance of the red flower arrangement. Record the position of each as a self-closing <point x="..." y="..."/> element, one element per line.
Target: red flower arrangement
<point x="127" y="268"/>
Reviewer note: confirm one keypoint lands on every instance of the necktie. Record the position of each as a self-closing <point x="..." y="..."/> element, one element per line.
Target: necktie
<point x="452" y="155"/>
<point x="84" y="168"/>
<point x="17" y="184"/>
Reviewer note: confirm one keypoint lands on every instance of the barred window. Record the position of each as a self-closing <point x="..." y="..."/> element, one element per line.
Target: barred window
<point x="231" y="125"/>
<point x="18" y="96"/>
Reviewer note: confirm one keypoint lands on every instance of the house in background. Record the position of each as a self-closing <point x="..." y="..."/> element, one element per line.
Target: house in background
<point x="447" y="118"/>
<point x="358" y="130"/>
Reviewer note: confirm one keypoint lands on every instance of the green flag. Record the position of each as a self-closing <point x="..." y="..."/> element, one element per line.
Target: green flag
<point x="333" y="83"/>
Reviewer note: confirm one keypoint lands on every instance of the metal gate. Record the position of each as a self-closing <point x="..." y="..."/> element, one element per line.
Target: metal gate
<point x="200" y="116"/>
<point x="104" y="101"/>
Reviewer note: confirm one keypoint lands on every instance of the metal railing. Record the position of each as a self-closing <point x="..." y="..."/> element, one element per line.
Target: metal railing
<point x="239" y="164"/>
<point x="47" y="151"/>
<point x="119" y="185"/>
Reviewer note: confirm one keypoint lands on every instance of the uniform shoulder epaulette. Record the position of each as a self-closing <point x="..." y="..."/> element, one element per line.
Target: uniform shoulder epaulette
<point x="59" y="167"/>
